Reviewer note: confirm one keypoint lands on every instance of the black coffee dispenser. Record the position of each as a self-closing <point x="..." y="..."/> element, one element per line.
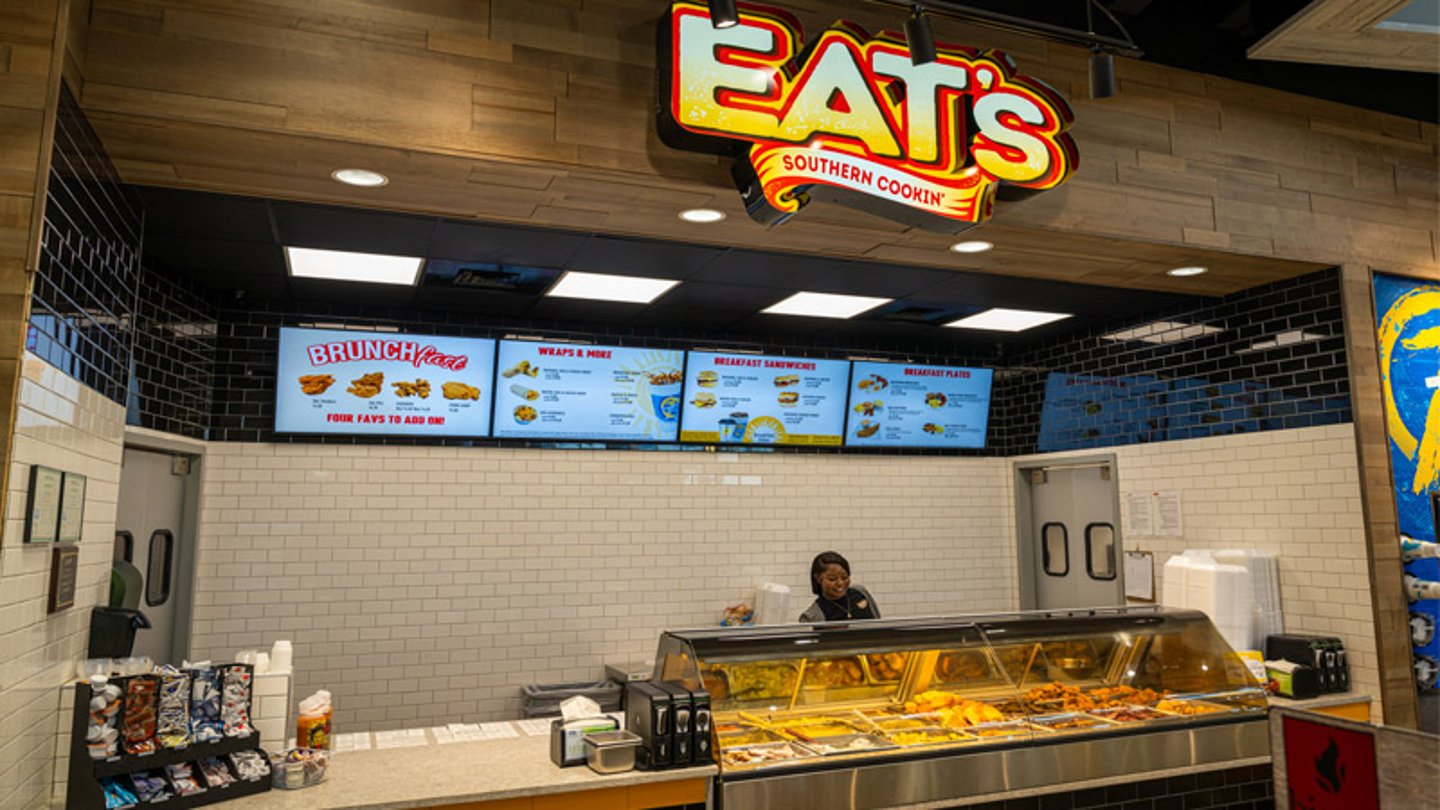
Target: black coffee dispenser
<point x="650" y="715"/>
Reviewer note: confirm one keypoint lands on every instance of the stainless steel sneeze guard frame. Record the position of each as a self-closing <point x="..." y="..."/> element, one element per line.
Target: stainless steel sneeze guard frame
<point x="967" y="776"/>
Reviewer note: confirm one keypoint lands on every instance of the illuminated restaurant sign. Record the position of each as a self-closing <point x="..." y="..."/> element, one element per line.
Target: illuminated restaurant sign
<point x="851" y="117"/>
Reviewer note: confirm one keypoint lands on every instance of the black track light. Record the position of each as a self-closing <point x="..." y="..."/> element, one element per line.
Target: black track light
<point x="723" y="13"/>
<point x="920" y="38"/>
<point x="1102" y="74"/>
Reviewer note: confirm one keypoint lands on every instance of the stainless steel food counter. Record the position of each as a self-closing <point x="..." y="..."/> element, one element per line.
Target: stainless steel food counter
<point x="895" y="713"/>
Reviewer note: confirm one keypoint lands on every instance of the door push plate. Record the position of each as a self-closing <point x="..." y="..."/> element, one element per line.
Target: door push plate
<point x="1037" y="477"/>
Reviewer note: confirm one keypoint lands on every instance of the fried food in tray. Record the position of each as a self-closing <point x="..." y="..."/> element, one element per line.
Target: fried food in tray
<point x="885" y="667"/>
<point x="847" y="744"/>
<point x="962" y="666"/>
<point x="752" y="756"/>
<point x="928" y="735"/>
<point x="1011" y="728"/>
<point x="953" y="710"/>
<point x="1070" y="721"/>
<point x="1130" y="714"/>
<point x="754" y="736"/>
<point x="903" y="722"/>
<point x="808" y="729"/>
<point x="1074" y="699"/>
<point x="1190" y="707"/>
<point x="758" y="681"/>
<point x="834" y="672"/>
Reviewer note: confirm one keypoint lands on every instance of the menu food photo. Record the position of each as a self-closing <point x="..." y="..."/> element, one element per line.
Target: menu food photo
<point x="759" y="399"/>
<point x="896" y="405"/>
<point x="584" y="392"/>
<point x="344" y="381"/>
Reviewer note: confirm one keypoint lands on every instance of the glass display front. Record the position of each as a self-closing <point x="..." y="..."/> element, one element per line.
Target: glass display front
<point x="793" y="695"/>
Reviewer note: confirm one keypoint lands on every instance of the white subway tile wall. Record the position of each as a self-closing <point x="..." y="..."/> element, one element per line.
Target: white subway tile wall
<point x="1295" y="493"/>
<point x="61" y="424"/>
<point x="424" y="585"/>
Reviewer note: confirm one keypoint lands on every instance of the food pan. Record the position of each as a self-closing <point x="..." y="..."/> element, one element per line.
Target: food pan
<point x="611" y="751"/>
<point x="756" y="756"/>
<point x="1070" y="721"/>
<point x="848" y="744"/>
<point x="929" y="735"/>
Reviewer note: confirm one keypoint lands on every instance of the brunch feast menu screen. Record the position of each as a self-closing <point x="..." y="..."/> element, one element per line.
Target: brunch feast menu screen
<point x="333" y="381"/>
<point x="575" y="391"/>
<point x="754" y="399"/>
<point x="893" y="405"/>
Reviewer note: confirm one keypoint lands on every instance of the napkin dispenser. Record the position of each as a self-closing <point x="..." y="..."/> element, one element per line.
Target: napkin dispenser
<point x="567" y="738"/>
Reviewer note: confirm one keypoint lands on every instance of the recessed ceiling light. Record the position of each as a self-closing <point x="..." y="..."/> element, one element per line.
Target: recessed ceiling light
<point x="1182" y="272"/>
<point x="360" y="177"/>
<point x="972" y="246"/>
<point x="702" y="216"/>
<point x="339" y="265"/>
<point x="602" y="287"/>
<point x="825" y="305"/>
<point x="1008" y="320"/>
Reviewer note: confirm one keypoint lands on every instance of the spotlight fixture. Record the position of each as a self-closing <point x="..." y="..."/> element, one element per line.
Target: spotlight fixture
<point x="1102" y="73"/>
<point x="723" y="13"/>
<point x="702" y="216"/>
<point x="920" y="37"/>
<point x="1184" y="272"/>
<point x="971" y="246"/>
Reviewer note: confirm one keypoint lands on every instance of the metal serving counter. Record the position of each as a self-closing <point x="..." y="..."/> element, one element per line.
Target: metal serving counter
<point x="895" y="713"/>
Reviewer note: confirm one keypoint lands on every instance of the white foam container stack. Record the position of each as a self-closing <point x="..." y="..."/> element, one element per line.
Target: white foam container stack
<point x="1239" y="590"/>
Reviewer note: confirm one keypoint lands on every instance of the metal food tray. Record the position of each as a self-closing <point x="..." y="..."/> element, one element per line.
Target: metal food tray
<point x="1159" y="714"/>
<point x="1047" y="723"/>
<point x="801" y="753"/>
<point x="824" y="745"/>
<point x="728" y="739"/>
<point x="999" y="730"/>
<point x="1209" y="707"/>
<point x="935" y="731"/>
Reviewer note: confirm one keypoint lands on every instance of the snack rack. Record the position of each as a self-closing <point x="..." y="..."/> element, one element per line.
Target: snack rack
<point x="84" y="792"/>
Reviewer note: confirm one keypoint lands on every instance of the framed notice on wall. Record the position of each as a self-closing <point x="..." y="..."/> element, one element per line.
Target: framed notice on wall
<point x="72" y="508"/>
<point x="64" y="570"/>
<point x="42" y="505"/>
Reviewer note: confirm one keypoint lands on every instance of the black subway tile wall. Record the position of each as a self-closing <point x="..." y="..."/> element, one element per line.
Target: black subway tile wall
<point x="83" y="304"/>
<point x="174" y="355"/>
<point x="1247" y="788"/>
<point x="1269" y="358"/>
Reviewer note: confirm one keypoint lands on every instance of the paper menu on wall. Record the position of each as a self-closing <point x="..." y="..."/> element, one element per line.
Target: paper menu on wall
<point x="1167" y="515"/>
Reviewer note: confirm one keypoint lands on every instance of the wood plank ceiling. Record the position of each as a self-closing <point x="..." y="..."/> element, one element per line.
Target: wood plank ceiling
<point x="540" y="112"/>
<point x="1344" y="32"/>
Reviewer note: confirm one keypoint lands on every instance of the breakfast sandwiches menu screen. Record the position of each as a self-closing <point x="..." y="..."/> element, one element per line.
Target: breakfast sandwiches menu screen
<point x="574" y="391"/>
<point x="894" y="405"/>
<point x="343" y="381"/>
<point x="755" y="399"/>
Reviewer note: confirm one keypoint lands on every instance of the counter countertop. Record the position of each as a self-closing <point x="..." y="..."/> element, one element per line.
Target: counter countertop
<point x="439" y="775"/>
<point x="1329" y="699"/>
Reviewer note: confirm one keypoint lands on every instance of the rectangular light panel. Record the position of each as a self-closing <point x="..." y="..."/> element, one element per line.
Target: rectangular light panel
<point x="603" y="287"/>
<point x="339" y="265"/>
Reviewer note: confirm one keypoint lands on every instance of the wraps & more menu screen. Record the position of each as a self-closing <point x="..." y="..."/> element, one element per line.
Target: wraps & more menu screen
<point x="755" y="399"/>
<point x="343" y="381"/>
<point x="600" y="393"/>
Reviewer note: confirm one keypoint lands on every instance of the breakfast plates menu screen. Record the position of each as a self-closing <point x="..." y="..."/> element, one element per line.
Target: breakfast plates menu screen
<point x="754" y="399"/>
<point x="342" y="381"/>
<point x="894" y="405"/>
<point x="575" y="391"/>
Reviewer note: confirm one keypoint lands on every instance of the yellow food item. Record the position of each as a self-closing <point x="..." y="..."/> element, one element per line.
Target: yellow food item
<point x="419" y="388"/>
<point x="459" y="390"/>
<point x="1185" y="707"/>
<point x="924" y="737"/>
<point x="368" y="385"/>
<point x="886" y="666"/>
<point x="953" y="709"/>
<point x="836" y="672"/>
<point x="315" y="384"/>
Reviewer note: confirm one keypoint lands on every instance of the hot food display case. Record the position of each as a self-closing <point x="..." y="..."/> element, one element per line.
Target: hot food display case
<point x="892" y="713"/>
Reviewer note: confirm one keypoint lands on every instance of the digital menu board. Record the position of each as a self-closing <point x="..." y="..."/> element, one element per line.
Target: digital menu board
<point x="343" y="381"/>
<point x="755" y="399"/>
<point x="600" y="393"/>
<point x="896" y="405"/>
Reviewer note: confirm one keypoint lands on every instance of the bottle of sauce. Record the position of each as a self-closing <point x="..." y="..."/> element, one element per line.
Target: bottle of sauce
<point x="312" y="729"/>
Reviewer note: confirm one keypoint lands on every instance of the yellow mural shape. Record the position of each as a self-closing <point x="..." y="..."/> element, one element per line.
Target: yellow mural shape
<point x="1406" y="308"/>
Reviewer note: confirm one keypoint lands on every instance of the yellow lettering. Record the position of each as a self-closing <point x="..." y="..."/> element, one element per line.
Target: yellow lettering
<point x="922" y="109"/>
<point x="1006" y="153"/>
<point x="702" y="77"/>
<point x="814" y="109"/>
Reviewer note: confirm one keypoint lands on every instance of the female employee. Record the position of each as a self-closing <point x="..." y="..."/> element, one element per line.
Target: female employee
<point x="836" y="599"/>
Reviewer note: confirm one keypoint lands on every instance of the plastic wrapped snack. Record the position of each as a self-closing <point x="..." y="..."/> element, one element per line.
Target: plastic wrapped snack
<point x="235" y="701"/>
<point x="117" y="793"/>
<point x="186" y="778"/>
<point x="205" y="723"/>
<point x="299" y="767"/>
<point x="141" y="692"/>
<point x="151" y="787"/>
<point x="172" y="725"/>
<point x="102" y="735"/>
<point x="215" y="773"/>
<point x="250" y="766"/>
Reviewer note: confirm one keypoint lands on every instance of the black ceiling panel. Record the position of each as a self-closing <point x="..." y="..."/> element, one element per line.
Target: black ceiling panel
<point x="493" y="243"/>
<point x="330" y="228"/>
<point x="641" y="257"/>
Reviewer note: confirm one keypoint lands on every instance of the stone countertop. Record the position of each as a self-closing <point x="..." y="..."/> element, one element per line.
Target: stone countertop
<point x="1329" y="699"/>
<point x="439" y="775"/>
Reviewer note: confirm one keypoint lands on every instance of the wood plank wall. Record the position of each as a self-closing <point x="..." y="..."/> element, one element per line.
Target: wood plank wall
<point x="32" y="33"/>
<point x="540" y="111"/>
